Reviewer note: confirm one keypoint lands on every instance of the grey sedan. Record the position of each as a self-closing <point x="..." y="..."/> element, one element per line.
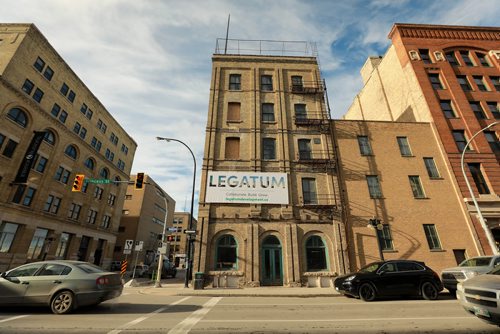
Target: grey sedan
<point x="62" y="285"/>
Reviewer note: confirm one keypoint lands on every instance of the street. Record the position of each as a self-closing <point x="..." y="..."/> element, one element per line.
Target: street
<point x="139" y="312"/>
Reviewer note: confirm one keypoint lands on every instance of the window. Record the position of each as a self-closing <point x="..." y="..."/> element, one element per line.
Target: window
<point x="467" y="59"/>
<point x="385" y="238"/>
<point x="364" y="145"/>
<point x="305" y="152"/>
<point x="435" y="81"/>
<point x="226" y="253"/>
<point x="481" y="85"/>
<point x="2" y="139"/>
<point x="233" y="112"/>
<point x="309" y="191"/>
<point x="77" y="127"/>
<point x="83" y="133"/>
<point x="430" y="165"/>
<point x="300" y="111"/>
<point x="452" y="59"/>
<point x="48" y="73"/>
<point x="268" y="149"/>
<point x="52" y="204"/>
<point x="9" y="149"/>
<point x="113" y="138"/>
<point x="62" y="175"/>
<point x="111" y="199"/>
<point x="424" y="55"/>
<point x="28" y="87"/>
<point x="232" y="150"/>
<point x="483" y="59"/>
<point x="38" y="95"/>
<point x="297" y="85"/>
<point x="493" y="107"/>
<point x="104" y="173"/>
<point x="39" y="64"/>
<point x="64" y="89"/>
<point x="374" y="186"/>
<point x="98" y="192"/>
<point x="83" y="108"/>
<point x="464" y="83"/>
<point x="49" y="137"/>
<point x="63" y="116"/>
<point x="432" y="237"/>
<point x="85" y="186"/>
<point x="128" y="197"/>
<point x="71" y="151"/>
<point x="7" y="234"/>
<point x="235" y="82"/>
<point x="266" y="83"/>
<point x="447" y="109"/>
<point x="106" y="219"/>
<point x="121" y="165"/>
<point x="18" y="116"/>
<point x="74" y="211"/>
<point x="89" y="163"/>
<point x="37" y="244"/>
<point x="89" y="114"/>
<point x="416" y="186"/>
<point x="496" y="83"/>
<point x="404" y="146"/>
<point x="91" y="216"/>
<point x="26" y="270"/>
<point x="315" y="254"/>
<point x="96" y="144"/>
<point x="71" y="96"/>
<point x="124" y="149"/>
<point x="62" y="247"/>
<point x="267" y="112"/>
<point x="101" y="126"/>
<point x="460" y="140"/>
<point x="477" y="109"/>
<point x="492" y="139"/>
<point x="41" y="164"/>
<point x="477" y="176"/>
<point x="55" y="110"/>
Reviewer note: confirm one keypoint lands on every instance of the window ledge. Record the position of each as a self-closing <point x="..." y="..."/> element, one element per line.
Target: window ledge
<point x="421" y="198"/>
<point x="269" y="122"/>
<point x="437" y="250"/>
<point x="390" y="251"/>
<point x="320" y="274"/>
<point x="233" y="121"/>
<point x="407" y="156"/>
<point x="436" y="178"/>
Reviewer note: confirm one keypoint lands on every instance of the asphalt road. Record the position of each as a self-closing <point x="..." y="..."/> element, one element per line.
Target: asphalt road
<point x="134" y="312"/>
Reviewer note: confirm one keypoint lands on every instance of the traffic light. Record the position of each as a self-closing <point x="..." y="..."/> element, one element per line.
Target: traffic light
<point x="78" y="182"/>
<point x="170" y="238"/>
<point x="139" y="180"/>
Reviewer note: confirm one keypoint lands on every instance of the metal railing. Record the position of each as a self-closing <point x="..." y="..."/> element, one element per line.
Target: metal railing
<point x="265" y="47"/>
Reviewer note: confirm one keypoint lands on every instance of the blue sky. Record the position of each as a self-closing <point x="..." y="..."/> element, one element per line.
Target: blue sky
<point x="149" y="62"/>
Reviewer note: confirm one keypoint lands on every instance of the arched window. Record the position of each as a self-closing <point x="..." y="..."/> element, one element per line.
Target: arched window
<point x="49" y="137"/>
<point x="89" y="163"/>
<point x="18" y="116"/>
<point x="71" y="151"/>
<point x="315" y="254"/>
<point x="226" y="253"/>
<point x="104" y="173"/>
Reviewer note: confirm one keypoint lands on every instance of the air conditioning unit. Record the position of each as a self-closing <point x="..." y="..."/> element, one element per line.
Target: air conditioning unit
<point x="438" y="55"/>
<point x="414" y="55"/>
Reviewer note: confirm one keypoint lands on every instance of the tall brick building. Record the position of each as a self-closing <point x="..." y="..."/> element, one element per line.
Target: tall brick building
<point x="448" y="76"/>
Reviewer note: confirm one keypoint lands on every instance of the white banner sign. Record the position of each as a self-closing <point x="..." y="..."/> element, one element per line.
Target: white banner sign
<point x="251" y="188"/>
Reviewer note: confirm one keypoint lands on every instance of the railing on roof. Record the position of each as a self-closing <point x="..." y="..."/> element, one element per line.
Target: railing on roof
<point x="266" y="47"/>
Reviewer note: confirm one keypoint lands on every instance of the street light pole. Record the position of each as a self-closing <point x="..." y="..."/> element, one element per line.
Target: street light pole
<point x="377" y="226"/>
<point x="189" y="260"/>
<point x="487" y="231"/>
<point x="160" y="256"/>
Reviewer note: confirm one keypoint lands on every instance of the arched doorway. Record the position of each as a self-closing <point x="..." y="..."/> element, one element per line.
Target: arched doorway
<point x="272" y="268"/>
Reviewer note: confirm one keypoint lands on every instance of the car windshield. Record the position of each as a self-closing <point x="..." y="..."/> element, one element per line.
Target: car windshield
<point x="89" y="268"/>
<point x="371" y="268"/>
<point x="476" y="262"/>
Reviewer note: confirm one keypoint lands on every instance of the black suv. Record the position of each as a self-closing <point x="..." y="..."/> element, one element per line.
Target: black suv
<point x="391" y="279"/>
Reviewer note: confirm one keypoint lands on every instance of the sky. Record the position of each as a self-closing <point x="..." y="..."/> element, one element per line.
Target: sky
<point x="149" y="61"/>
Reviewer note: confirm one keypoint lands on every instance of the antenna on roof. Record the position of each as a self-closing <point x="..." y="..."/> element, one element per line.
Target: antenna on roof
<point x="227" y="32"/>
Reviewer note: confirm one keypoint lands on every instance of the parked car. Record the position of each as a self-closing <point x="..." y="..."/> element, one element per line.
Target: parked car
<point x="62" y="285"/>
<point x="116" y="265"/>
<point x="389" y="279"/>
<point x="479" y="295"/>
<point x="168" y="269"/>
<point x="141" y="270"/>
<point x="468" y="269"/>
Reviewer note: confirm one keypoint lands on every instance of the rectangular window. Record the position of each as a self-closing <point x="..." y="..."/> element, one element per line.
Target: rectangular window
<point x="105" y="221"/>
<point x="447" y="108"/>
<point x="267" y="112"/>
<point x="89" y="114"/>
<point x="62" y="247"/>
<point x="477" y="176"/>
<point x="266" y="83"/>
<point x="404" y="146"/>
<point x="232" y="150"/>
<point x="52" y="204"/>
<point x="424" y="55"/>
<point x="233" y="111"/>
<point x="38" y="95"/>
<point x="18" y="195"/>
<point x="493" y="107"/>
<point x="63" y="116"/>
<point x="452" y="59"/>
<point x="492" y="139"/>
<point x="83" y="133"/>
<point x="74" y="211"/>
<point x="39" y="64"/>
<point x="268" y="149"/>
<point x="496" y="83"/>
<point x="91" y="216"/>
<point x="2" y="139"/>
<point x="111" y="199"/>
<point x="235" y="82"/>
<point x="98" y="192"/>
<point x="305" y="152"/>
<point x="83" y="108"/>
<point x="435" y="81"/>
<point x="300" y="111"/>
<point x="297" y="85"/>
<point x="7" y="235"/>
<point x="309" y="191"/>
<point x="477" y="109"/>
<point x="48" y="73"/>
<point x="55" y="110"/>
<point x="71" y="96"/>
<point x="64" y="89"/>
<point x="374" y="186"/>
<point x="460" y="140"/>
<point x="9" y="149"/>
<point x="35" y="250"/>
<point x="42" y="163"/>
<point x="432" y="237"/>
<point x="62" y="175"/>
<point x="466" y="58"/>
<point x="385" y="237"/>
<point x="481" y="85"/>
<point x="77" y="127"/>
<point x="364" y="145"/>
<point x="430" y="165"/>
<point x="28" y="87"/>
<point x="483" y="59"/>
<point x="464" y="83"/>
<point x="416" y="186"/>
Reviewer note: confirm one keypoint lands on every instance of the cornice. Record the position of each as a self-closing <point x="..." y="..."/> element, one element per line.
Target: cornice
<point x="428" y="31"/>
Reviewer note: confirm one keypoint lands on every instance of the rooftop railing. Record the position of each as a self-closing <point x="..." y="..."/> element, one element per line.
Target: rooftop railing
<point x="266" y="47"/>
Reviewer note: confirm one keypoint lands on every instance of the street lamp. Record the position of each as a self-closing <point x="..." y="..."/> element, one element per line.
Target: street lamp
<point x="487" y="231"/>
<point x="160" y="256"/>
<point x="376" y="224"/>
<point x="189" y="260"/>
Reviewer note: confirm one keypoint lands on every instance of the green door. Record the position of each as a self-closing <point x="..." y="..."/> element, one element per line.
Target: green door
<point x="272" y="271"/>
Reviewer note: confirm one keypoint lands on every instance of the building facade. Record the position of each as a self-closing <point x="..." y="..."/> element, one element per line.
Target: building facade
<point x="145" y="211"/>
<point x="179" y="239"/>
<point x="448" y="76"/>
<point x="396" y="173"/>
<point x="269" y="198"/>
<point x="51" y="128"/>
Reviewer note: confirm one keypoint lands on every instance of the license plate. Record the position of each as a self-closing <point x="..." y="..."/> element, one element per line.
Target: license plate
<point x="481" y="311"/>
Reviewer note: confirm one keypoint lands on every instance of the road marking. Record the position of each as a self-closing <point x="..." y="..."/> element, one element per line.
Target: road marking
<point x="140" y="319"/>
<point x="343" y="320"/>
<point x="355" y="304"/>
<point x="14" y="318"/>
<point x="185" y="325"/>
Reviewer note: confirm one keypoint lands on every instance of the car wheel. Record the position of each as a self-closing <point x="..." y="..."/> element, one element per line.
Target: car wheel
<point x="429" y="291"/>
<point x="367" y="292"/>
<point x="62" y="302"/>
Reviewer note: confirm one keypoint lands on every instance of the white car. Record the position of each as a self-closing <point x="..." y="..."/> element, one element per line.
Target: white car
<point x="468" y="269"/>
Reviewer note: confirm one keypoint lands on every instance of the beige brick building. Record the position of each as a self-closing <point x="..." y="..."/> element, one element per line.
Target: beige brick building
<point x="268" y="141"/>
<point x="178" y="245"/>
<point x="397" y="173"/>
<point x="51" y="128"/>
<point x="142" y="219"/>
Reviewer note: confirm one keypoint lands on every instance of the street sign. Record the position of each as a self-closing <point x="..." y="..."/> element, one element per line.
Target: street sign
<point x="138" y="245"/>
<point x="172" y="229"/>
<point x="190" y="231"/>
<point x="163" y="250"/>
<point x="128" y="245"/>
<point x="127" y="251"/>
<point x="100" y="181"/>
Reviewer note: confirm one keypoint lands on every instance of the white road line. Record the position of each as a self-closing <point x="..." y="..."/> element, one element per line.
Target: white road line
<point x="331" y="304"/>
<point x="342" y="320"/>
<point x="185" y="325"/>
<point x="138" y="320"/>
<point x="14" y="318"/>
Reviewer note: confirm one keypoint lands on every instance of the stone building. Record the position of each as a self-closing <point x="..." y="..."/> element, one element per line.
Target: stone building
<point x="51" y="128"/>
<point x="448" y="76"/>
<point x="269" y="198"/>
<point x="178" y="245"/>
